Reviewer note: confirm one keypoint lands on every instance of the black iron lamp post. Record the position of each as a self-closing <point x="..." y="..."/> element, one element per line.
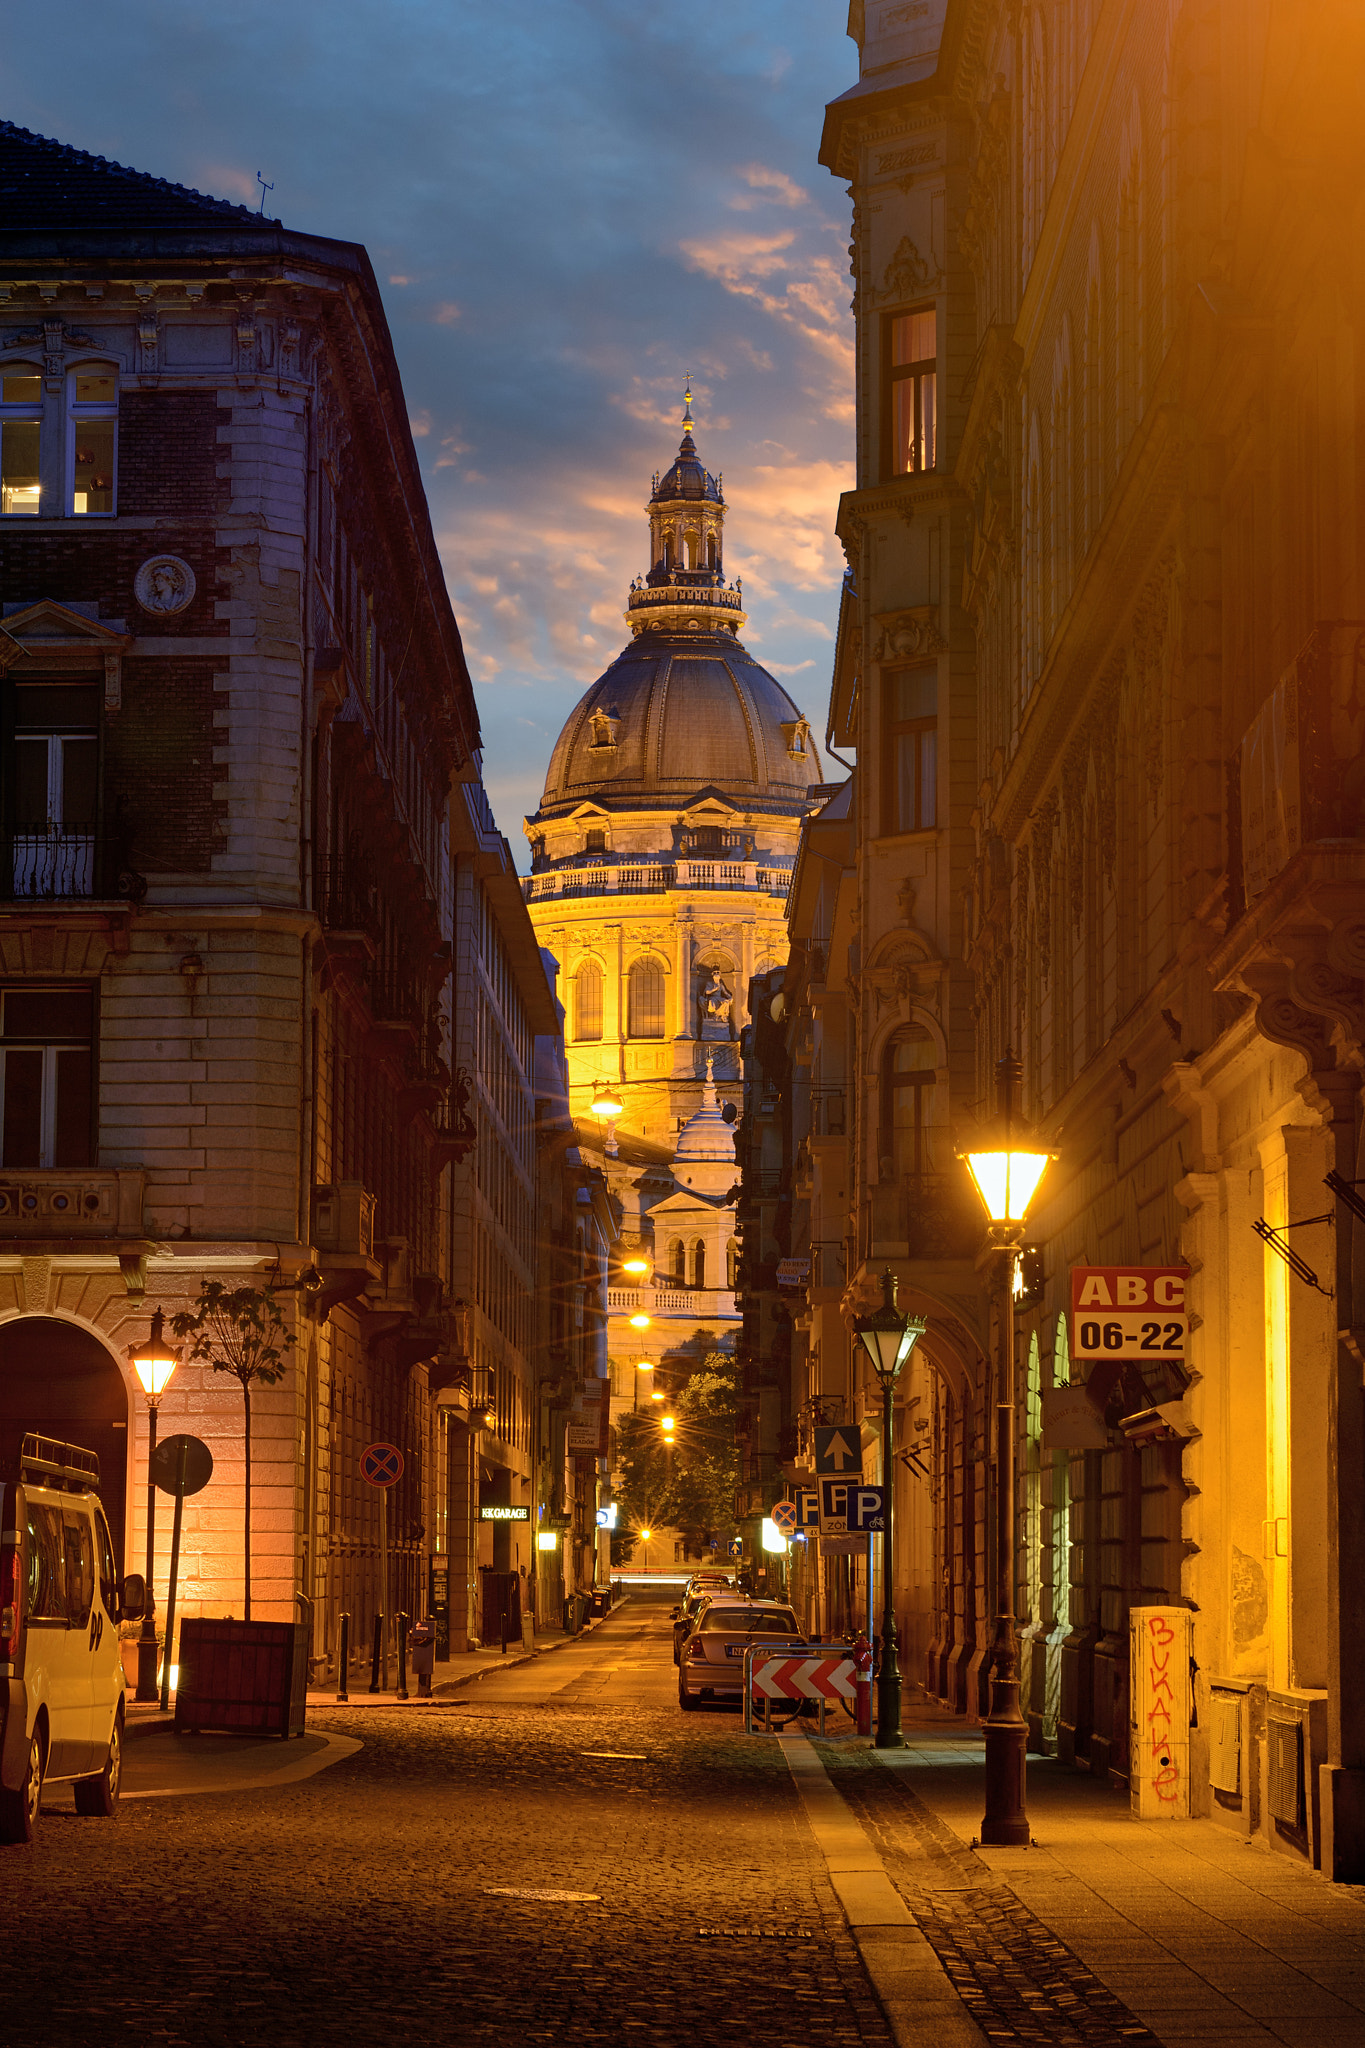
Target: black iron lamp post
<point x="890" y="1337"/>
<point x="153" y="1362"/>
<point x="1006" y="1160"/>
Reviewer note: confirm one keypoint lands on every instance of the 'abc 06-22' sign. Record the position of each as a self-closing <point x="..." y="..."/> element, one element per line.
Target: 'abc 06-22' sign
<point x="1128" y="1312"/>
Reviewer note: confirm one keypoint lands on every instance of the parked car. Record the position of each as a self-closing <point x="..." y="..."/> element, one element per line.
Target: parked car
<point x="61" y="1712"/>
<point x="712" y="1661"/>
<point x="684" y="1616"/>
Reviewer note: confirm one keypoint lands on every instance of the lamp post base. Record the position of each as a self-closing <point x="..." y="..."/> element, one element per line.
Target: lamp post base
<point x="1005" y="1824"/>
<point x="146" y="1693"/>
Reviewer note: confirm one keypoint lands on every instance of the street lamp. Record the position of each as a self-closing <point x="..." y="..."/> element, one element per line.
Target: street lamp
<point x="606" y="1107"/>
<point x="889" y="1338"/>
<point x="1006" y="1160"/>
<point x="153" y="1362"/>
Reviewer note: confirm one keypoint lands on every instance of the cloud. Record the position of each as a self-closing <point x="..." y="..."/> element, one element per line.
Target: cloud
<point x="768" y="184"/>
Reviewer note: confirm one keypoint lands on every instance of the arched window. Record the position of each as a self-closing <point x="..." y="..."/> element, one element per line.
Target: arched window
<point x="691" y="550"/>
<point x="677" y="1260"/>
<point x="587" y="1001"/>
<point x="21" y="421"/>
<point x="699" y="1263"/>
<point x="710" y="551"/>
<point x="909" y="1102"/>
<point x="92" y="409"/>
<point x="645" y="1005"/>
<point x="731" y="1264"/>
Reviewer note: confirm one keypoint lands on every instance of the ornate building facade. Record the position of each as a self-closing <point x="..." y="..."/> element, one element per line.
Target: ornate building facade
<point x="1098" y="656"/>
<point x="662" y="849"/>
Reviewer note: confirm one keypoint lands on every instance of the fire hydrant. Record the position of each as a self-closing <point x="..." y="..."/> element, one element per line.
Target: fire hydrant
<point x="862" y="1659"/>
<point x="422" y="1645"/>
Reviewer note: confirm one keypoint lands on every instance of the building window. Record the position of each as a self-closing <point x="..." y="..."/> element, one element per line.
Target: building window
<point x="596" y="842"/>
<point x="910" y="700"/>
<point x="47" y="1053"/>
<point x="645" y="1007"/>
<point x="912" y="350"/>
<point x="909" y="1102"/>
<point x="21" y="417"/>
<point x="707" y="839"/>
<point x="699" y="1264"/>
<point x="677" y="1257"/>
<point x="587" y="1001"/>
<point x="92" y="406"/>
<point x="52" y="799"/>
<point x="731" y="1264"/>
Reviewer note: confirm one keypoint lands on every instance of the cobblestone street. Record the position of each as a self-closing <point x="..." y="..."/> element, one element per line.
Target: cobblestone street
<point x="392" y="1896"/>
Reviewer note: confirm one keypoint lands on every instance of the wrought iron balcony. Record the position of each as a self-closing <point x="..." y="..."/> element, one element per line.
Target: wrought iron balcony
<point x="52" y="863"/>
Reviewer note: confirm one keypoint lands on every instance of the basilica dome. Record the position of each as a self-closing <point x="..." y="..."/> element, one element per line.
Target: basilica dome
<point x="675" y="713"/>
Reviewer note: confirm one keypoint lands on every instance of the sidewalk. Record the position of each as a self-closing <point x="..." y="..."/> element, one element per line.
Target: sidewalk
<point x="1170" y="1932"/>
<point x="451" y="1677"/>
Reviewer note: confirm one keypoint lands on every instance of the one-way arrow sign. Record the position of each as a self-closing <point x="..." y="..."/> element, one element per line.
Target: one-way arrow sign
<point x="838" y="1450"/>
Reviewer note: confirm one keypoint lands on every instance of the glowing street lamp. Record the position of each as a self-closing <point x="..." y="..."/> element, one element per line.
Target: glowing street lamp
<point x="154" y="1363"/>
<point x="888" y="1337"/>
<point x="668" y="1423"/>
<point x="637" y="1265"/>
<point x="1006" y="1160"/>
<point x="606" y="1103"/>
<point x="641" y="1319"/>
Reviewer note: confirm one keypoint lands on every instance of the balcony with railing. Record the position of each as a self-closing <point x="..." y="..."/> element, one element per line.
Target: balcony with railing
<point x="59" y="863"/>
<point x="597" y="876"/>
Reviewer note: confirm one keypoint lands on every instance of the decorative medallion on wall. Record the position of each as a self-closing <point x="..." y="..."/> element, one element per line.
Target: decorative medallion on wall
<point x="164" y="585"/>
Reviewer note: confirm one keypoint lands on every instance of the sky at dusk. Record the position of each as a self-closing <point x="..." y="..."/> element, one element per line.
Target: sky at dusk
<point x="569" y="205"/>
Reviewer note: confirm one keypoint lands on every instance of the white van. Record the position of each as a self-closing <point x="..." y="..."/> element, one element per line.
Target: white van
<point x="61" y="1712"/>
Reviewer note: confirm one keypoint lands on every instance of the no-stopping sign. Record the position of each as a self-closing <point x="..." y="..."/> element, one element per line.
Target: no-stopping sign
<point x="382" y="1464"/>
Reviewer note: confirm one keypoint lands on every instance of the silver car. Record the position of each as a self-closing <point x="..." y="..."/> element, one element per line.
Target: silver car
<point x="712" y="1663"/>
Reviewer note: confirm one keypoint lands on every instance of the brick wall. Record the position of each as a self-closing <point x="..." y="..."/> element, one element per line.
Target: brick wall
<point x="159" y="756"/>
<point x="168" y="455"/>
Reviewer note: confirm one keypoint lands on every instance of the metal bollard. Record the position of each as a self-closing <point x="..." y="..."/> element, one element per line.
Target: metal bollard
<point x="402" y="1657"/>
<point x="378" y="1652"/>
<point x="504" y="1626"/>
<point x="344" y="1658"/>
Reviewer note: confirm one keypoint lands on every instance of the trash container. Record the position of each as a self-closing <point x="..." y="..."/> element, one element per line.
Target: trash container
<point x="422" y="1650"/>
<point x="601" y="1603"/>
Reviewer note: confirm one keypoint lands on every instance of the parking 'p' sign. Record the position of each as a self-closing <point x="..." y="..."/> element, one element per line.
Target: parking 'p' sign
<point x="382" y="1464"/>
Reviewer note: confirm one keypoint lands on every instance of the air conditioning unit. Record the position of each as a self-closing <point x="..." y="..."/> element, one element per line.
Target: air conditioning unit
<point x="343" y="1219"/>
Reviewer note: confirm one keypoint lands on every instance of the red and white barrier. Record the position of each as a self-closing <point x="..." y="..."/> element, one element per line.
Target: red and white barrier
<point x="788" y="1677"/>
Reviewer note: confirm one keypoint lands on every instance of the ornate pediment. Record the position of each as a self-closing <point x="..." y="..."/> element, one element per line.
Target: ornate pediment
<point x="46" y="639"/>
<point x="911" y="635"/>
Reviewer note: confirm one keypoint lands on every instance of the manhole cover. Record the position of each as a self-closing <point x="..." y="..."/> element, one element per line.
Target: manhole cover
<point x="511" y="1891"/>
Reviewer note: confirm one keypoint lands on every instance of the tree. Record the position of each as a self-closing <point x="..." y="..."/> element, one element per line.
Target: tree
<point x="238" y="1330"/>
<point x="706" y="1460"/>
<point x="642" y="1490"/>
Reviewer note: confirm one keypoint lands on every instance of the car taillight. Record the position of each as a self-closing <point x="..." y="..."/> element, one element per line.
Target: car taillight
<point x="696" y="1649"/>
<point x="11" y="1606"/>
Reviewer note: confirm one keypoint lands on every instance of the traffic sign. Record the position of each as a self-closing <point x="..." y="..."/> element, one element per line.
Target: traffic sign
<point x="1136" y="1312"/>
<point x="166" y="1464"/>
<point x="784" y="1517"/>
<point x="839" y="1450"/>
<point x="848" y="1508"/>
<point x="783" y="1676"/>
<point x="382" y="1464"/>
<point x="807" y="1508"/>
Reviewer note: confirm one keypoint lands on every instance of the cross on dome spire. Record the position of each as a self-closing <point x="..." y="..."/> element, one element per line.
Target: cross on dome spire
<point x="687" y="420"/>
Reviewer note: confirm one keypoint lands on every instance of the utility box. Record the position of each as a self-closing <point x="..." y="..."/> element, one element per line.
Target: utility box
<point x="1160" y="1696"/>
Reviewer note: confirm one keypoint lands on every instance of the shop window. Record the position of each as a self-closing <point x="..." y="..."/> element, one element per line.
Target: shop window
<point x="21" y="419"/>
<point x="92" y="436"/>
<point x="587" y="1001"/>
<point x="47" y="1056"/>
<point x="910" y="752"/>
<point x="912" y="349"/>
<point x="645" y="1006"/>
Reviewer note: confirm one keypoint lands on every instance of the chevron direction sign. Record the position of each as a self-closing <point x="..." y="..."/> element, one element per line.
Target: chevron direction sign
<point x="784" y="1677"/>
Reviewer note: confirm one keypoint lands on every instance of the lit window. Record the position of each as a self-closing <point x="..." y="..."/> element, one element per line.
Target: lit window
<point x="21" y="416"/>
<point x="913" y="350"/>
<point x="46" y="1039"/>
<point x="646" y="1000"/>
<point x="92" y="404"/>
<point x="587" y="1001"/>
<point x="910" y="755"/>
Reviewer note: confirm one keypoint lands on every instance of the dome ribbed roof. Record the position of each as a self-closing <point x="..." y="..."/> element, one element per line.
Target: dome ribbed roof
<point x="688" y="478"/>
<point x="674" y="714"/>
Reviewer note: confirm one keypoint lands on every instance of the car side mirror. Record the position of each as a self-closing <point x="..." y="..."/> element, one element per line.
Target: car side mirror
<point x="132" y="1598"/>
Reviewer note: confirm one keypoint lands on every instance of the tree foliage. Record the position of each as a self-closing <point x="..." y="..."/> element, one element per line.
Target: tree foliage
<point x="692" y="1488"/>
<point x="236" y="1329"/>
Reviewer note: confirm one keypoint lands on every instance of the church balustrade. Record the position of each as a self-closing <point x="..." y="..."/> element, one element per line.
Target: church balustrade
<point x="655" y="878"/>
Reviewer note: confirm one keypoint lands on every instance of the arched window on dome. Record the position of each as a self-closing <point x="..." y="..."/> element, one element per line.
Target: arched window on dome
<point x="731" y="1264"/>
<point x="710" y="551"/>
<point x="645" y="999"/>
<point x="691" y="550"/>
<point x="699" y="1263"/>
<point x="677" y="1262"/>
<point x="587" y="1001"/>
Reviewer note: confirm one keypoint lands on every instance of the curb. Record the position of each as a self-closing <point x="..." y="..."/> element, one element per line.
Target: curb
<point x="320" y="1701"/>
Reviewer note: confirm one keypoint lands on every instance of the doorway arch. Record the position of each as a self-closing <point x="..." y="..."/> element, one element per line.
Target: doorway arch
<point x="58" y="1378"/>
